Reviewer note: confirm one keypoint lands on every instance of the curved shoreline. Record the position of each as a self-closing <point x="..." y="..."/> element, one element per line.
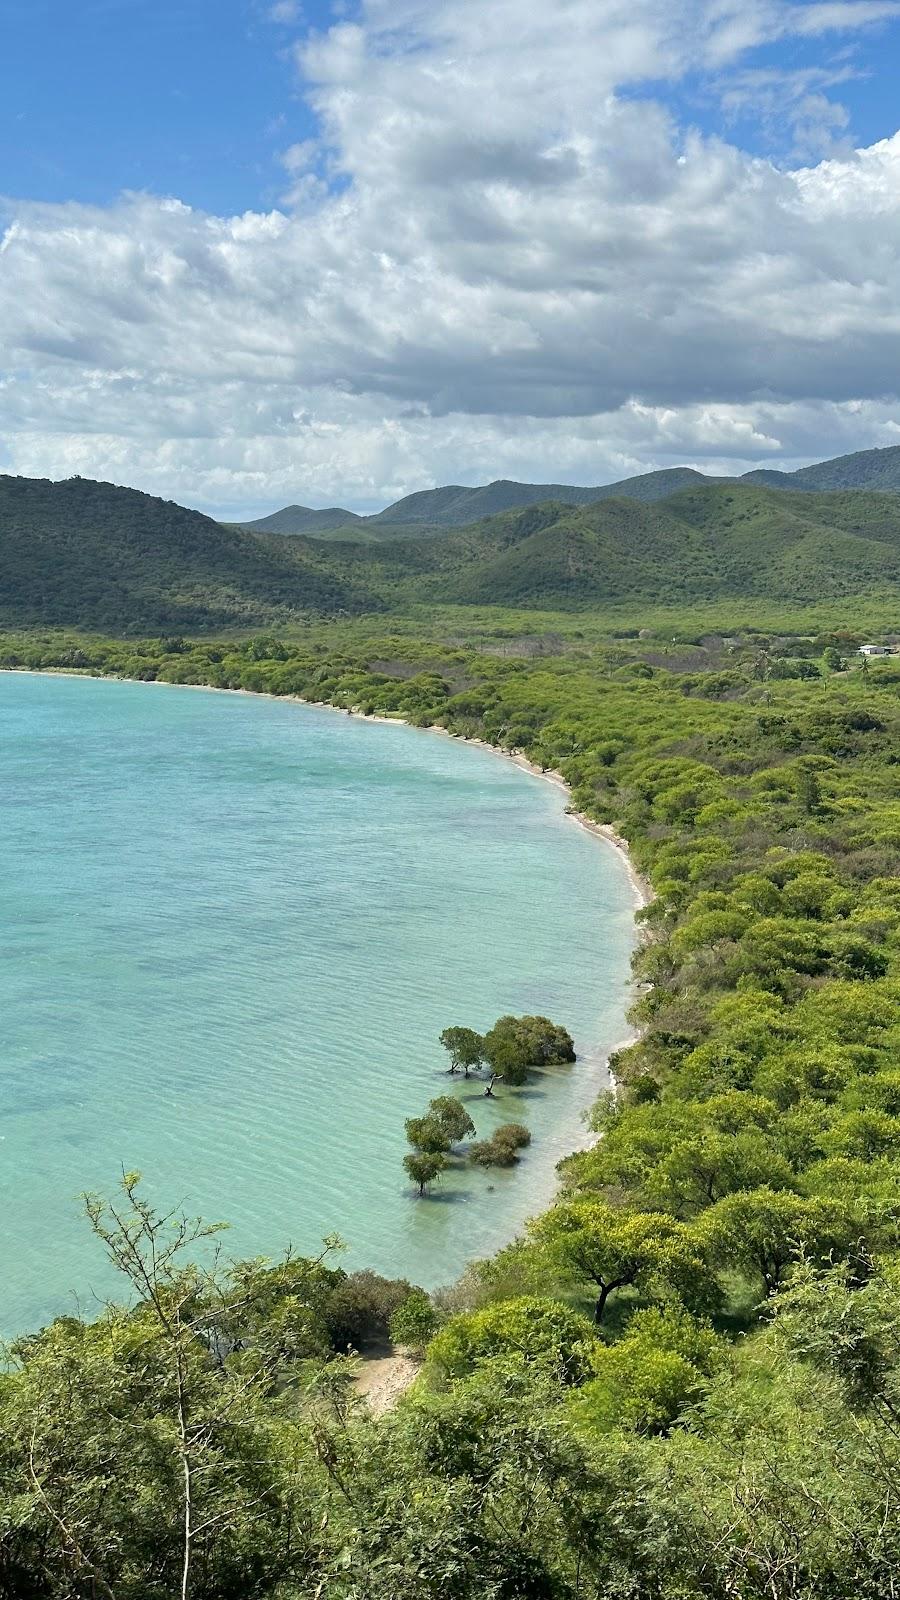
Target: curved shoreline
<point x="643" y="893"/>
<point x="547" y="1183"/>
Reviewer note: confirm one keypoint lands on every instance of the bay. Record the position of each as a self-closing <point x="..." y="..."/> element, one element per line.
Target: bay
<point x="231" y="931"/>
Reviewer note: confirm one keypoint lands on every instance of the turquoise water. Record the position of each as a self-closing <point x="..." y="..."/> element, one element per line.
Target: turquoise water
<point x="232" y="929"/>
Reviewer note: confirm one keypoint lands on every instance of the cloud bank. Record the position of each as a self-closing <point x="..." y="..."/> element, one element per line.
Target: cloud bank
<point x="505" y="256"/>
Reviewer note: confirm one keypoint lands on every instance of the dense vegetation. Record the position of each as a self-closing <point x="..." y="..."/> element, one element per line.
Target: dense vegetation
<point x="103" y="557"/>
<point x="96" y="556"/>
<point x="700" y="544"/>
<point x="684" y="1380"/>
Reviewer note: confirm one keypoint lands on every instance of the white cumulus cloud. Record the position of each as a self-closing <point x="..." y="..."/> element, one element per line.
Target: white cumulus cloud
<point x="504" y="257"/>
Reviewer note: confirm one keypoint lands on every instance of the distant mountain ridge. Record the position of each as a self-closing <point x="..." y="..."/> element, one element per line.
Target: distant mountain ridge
<point x="303" y="519"/>
<point x="108" y="559"/>
<point x="875" y="470"/>
<point x="454" y="506"/>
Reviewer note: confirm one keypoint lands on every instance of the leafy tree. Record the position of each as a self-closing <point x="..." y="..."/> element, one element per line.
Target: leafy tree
<point x="361" y="1307"/>
<point x="515" y="1045"/>
<point x="763" y="1231"/>
<point x="465" y="1048"/>
<point x="700" y="1171"/>
<point x="652" y="1375"/>
<point x="502" y="1148"/>
<point x="142" y="1447"/>
<point x="809" y="790"/>
<point x="529" y="1327"/>
<point x="428" y="1134"/>
<point x="414" y="1320"/>
<point x="423" y="1166"/>
<point x="444" y="1124"/>
<point x="452" y="1116"/>
<point x="591" y="1242"/>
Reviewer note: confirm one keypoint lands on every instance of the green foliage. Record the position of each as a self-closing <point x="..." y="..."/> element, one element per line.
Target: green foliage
<point x="653" y="1375"/>
<point x="465" y="1048"/>
<point x="94" y="555"/>
<point x="428" y="1134"/>
<point x="516" y="1045"/>
<point x="414" y="1320"/>
<point x="528" y="1328"/>
<point x="424" y="1166"/>
<point x="763" y="1230"/>
<point x="362" y="1307"/>
<point x="445" y="1122"/>
<point x="503" y="1147"/>
<point x="452" y="1117"/>
<point x="747" y="1168"/>
<point x="99" y="556"/>
<point x="590" y="1241"/>
<point x="138" y="1449"/>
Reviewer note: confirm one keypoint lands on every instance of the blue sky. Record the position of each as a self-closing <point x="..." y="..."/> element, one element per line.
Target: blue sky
<point x="260" y="251"/>
<point x="192" y="98"/>
<point x="198" y="98"/>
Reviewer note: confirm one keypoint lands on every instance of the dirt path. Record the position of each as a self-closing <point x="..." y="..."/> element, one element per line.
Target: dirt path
<point x="385" y="1375"/>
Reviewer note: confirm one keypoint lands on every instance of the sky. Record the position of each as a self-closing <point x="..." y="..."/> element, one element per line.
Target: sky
<point x="262" y="251"/>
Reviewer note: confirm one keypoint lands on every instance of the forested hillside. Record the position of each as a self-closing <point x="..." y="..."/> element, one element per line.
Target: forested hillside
<point x="704" y="543"/>
<point x="104" y="557"/>
<point x="97" y="556"/>
<point x="682" y="1382"/>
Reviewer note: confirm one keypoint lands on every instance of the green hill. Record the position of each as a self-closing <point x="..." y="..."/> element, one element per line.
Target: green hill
<point x="108" y="558"/>
<point x="455" y="506"/>
<point x="302" y="519"/>
<point x="433" y="510"/>
<point x="709" y="542"/>
<point x="877" y="470"/>
<point x="111" y="558"/>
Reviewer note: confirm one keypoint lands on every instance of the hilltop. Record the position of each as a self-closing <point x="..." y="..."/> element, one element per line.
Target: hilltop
<point x="877" y="470"/>
<point x="303" y="519"/>
<point x="455" y="506"/>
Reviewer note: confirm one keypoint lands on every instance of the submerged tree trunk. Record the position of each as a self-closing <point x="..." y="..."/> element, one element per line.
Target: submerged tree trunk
<point x="489" y="1091"/>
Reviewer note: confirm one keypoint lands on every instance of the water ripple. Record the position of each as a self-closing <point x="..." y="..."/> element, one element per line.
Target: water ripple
<point x="232" y="930"/>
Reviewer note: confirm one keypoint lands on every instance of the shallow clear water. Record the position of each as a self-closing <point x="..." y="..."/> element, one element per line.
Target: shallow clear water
<point x="231" y="930"/>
